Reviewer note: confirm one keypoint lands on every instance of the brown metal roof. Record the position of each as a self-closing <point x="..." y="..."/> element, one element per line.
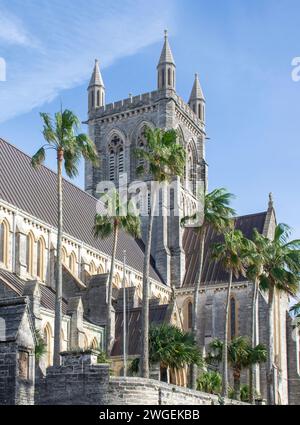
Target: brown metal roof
<point x="34" y="191"/>
<point x="17" y="285"/>
<point x="213" y="272"/>
<point x="157" y="314"/>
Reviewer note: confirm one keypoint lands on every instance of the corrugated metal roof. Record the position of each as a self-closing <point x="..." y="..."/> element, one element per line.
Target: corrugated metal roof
<point x="157" y="314"/>
<point x="213" y="272"/>
<point x="34" y="191"/>
<point x="17" y="285"/>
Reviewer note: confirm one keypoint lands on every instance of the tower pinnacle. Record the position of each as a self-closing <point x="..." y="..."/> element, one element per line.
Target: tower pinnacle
<point x="96" y="88"/>
<point x="197" y="100"/>
<point x="166" y="66"/>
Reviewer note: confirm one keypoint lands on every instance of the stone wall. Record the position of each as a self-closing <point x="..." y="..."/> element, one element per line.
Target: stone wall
<point x="78" y="381"/>
<point x="293" y="364"/>
<point x="81" y="381"/>
<point x="138" y="391"/>
<point x="17" y="361"/>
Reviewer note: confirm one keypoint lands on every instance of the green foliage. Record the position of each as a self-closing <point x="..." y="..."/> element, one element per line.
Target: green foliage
<point x="232" y="252"/>
<point x="40" y="346"/>
<point x="102" y="357"/>
<point x="163" y="157"/>
<point x="172" y="347"/>
<point x="134" y="366"/>
<point x="281" y="268"/>
<point x="240" y="353"/>
<point x="295" y="310"/>
<point x="117" y="215"/>
<point x="217" y="211"/>
<point x="61" y="135"/>
<point x="210" y="382"/>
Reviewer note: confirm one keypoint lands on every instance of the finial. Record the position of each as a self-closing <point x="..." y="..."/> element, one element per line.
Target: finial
<point x="270" y="200"/>
<point x="196" y="75"/>
<point x="166" y="33"/>
<point x="96" y="61"/>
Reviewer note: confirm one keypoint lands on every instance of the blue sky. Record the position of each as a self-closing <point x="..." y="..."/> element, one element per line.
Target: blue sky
<point x="242" y="51"/>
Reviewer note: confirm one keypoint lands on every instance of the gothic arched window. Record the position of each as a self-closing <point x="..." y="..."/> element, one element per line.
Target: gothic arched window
<point x="233" y="330"/>
<point x="64" y="256"/>
<point x="116" y="158"/>
<point x="98" y="97"/>
<point x="4" y="234"/>
<point x="47" y="336"/>
<point x="29" y="253"/>
<point x="142" y="144"/>
<point x="72" y="262"/>
<point x="100" y="269"/>
<point x="163" y="77"/>
<point x="95" y="344"/>
<point x="92" y="268"/>
<point x="191" y="170"/>
<point x="169" y="77"/>
<point x="199" y="111"/>
<point x="40" y="258"/>
<point x="190" y="315"/>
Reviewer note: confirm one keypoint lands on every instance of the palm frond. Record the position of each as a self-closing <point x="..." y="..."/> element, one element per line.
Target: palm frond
<point x="38" y="158"/>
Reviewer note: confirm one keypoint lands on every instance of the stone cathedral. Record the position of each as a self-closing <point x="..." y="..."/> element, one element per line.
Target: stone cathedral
<point x="28" y="237"/>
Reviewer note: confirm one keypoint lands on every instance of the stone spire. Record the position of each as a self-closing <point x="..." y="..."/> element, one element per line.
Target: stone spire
<point x="96" y="89"/>
<point x="166" y="67"/>
<point x="166" y="53"/>
<point x="197" y="100"/>
<point x="96" y="78"/>
<point x="196" y="93"/>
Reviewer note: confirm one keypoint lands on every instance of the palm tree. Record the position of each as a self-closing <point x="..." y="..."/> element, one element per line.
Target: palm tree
<point x="255" y="253"/>
<point x="281" y="273"/>
<point x="163" y="159"/>
<point x="217" y="214"/>
<point x="118" y="216"/>
<point x="171" y="348"/>
<point x="230" y="253"/>
<point x="241" y="355"/>
<point x="295" y="310"/>
<point x="210" y="382"/>
<point x="61" y="135"/>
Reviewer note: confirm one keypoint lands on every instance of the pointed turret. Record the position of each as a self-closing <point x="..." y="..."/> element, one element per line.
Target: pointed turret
<point x="166" y="75"/>
<point x="197" y="100"/>
<point x="96" y="88"/>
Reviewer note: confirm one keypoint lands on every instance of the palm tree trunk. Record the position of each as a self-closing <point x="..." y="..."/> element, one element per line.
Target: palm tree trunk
<point x="58" y="283"/>
<point x="237" y="384"/>
<point x="225" y="345"/>
<point x="270" y="371"/>
<point x="109" y="338"/>
<point x="195" y="318"/>
<point x="253" y="342"/>
<point x="145" y="303"/>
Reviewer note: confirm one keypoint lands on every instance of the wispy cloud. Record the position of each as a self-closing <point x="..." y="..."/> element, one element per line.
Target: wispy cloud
<point x="71" y="34"/>
<point x="12" y="31"/>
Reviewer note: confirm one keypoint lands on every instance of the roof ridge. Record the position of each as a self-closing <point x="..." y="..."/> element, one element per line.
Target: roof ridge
<point x="250" y="215"/>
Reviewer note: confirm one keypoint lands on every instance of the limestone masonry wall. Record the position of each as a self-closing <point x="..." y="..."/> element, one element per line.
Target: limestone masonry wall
<point x="80" y="380"/>
<point x="139" y="391"/>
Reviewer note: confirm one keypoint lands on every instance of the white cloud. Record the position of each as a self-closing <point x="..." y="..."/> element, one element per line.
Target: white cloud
<point x="71" y="41"/>
<point x="12" y="31"/>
